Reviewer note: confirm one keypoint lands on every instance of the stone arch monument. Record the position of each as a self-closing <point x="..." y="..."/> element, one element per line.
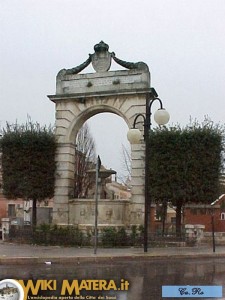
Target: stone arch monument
<point x="80" y="96"/>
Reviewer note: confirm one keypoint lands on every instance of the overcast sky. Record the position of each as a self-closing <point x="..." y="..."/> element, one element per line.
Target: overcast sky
<point x="183" y="43"/>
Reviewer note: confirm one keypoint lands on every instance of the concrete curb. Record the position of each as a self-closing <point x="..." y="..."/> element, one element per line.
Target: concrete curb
<point x="101" y="258"/>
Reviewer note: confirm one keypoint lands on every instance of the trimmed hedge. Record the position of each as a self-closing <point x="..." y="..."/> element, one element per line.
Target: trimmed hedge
<point x="72" y="236"/>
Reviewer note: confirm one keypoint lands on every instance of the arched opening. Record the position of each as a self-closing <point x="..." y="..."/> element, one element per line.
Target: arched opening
<point x="104" y="135"/>
<point x="110" y="134"/>
<point x="109" y="130"/>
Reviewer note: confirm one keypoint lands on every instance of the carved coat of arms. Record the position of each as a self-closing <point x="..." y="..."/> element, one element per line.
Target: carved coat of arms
<point x="101" y="59"/>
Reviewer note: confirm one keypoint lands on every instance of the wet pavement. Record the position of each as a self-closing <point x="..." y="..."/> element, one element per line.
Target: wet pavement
<point x="145" y="278"/>
<point x="145" y="272"/>
<point x="23" y="253"/>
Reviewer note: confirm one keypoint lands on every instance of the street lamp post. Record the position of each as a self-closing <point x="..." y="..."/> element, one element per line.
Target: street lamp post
<point x="213" y="227"/>
<point x="161" y="117"/>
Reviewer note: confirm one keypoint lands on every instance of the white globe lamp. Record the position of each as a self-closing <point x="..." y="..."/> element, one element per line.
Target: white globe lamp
<point x="161" y="116"/>
<point x="134" y="136"/>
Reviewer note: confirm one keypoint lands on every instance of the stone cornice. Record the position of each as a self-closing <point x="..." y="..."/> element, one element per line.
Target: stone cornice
<point x="80" y="97"/>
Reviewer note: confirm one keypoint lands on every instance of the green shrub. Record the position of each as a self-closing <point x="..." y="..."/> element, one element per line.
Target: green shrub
<point x="108" y="237"/>
<point x="112" y="237"/>
<point x="54" y="235"/>
<point x="46" y="234"/>
<point x="133" y="235"/>
<point x="121" y="237"/>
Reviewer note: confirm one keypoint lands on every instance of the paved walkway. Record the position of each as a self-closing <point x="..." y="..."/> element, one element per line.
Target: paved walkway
<point x="21" y="253"/>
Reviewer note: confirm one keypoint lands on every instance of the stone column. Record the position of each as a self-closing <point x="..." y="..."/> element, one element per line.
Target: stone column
<point x="64" y="182"/>
<point x="138" y="183"/>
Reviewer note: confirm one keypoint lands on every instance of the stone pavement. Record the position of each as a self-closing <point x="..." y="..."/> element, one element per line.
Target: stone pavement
<point x="11" y="253"/>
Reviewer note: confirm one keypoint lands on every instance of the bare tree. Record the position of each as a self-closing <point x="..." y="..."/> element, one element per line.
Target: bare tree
<point x="85" y="156"/>
<point x="126" y="164"/>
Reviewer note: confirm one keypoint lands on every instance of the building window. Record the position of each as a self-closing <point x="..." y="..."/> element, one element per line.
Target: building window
<point x="11" y="210"/>
<point x="222" y="216"/>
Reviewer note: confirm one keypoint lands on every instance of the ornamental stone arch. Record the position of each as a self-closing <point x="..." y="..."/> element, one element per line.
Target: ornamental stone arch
<point x="79" y="97"/>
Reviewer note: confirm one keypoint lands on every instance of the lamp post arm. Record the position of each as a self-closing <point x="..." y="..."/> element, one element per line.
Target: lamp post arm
<point x="148" y="114"/>
<point x="153" y="100"/>
<point x="135" y="119"/>
<point x="149" y="110"/>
